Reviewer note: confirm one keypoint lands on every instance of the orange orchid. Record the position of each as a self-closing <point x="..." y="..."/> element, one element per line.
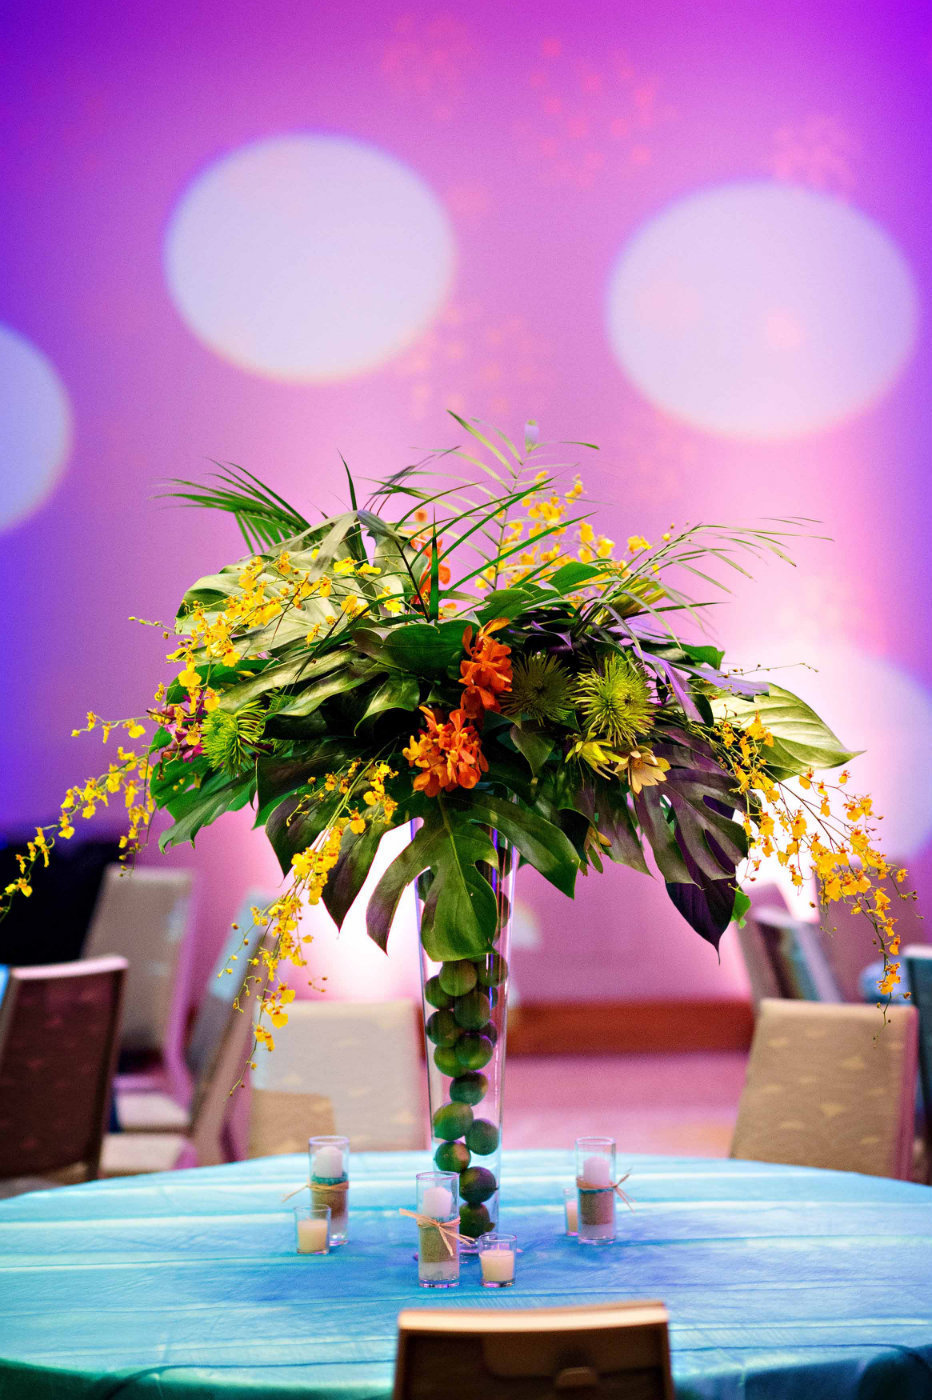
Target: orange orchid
<point x="448" y="753"/>
<point x="487" y="673"/>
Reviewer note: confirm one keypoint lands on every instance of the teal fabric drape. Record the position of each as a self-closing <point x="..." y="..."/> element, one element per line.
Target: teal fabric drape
<point x="782" y="1283"/>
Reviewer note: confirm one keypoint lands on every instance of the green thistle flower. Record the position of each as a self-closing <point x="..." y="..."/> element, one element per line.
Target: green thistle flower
<point x="230" y="740"/>
<point x="540" y="689"/>
<point x="615" y="702"/>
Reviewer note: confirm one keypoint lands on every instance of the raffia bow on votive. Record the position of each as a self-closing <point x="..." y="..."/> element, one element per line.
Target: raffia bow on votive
<point x="445" y="1228"/>
<point x="317" y="1186"/>
<point x="616" y="1186"/>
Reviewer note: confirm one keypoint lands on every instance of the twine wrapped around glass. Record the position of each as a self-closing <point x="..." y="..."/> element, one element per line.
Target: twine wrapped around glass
<point x="438" y="1254"/>
<point x="595" y="1187"/>
<point x="329" y="1181"/>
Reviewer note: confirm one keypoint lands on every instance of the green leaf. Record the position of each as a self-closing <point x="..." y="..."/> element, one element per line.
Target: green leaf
<point x="542" y="844"/>
<point x="741" y="907"/>
<point x="419" y="647"/>
<point x="709" y="656"/>
<point x="801" y="739"/>
<point x="570" y="576"/>
<point x="357" y="852"/>
<point x="458" y="918"/>
<point x="203" y="805"/>
<point x="534" y="744"/>
<point x="397" y="692"/>
<point x="354" y="671"/>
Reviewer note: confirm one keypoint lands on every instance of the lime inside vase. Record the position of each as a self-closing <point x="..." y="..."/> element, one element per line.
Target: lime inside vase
<point x="465" y="1020"/>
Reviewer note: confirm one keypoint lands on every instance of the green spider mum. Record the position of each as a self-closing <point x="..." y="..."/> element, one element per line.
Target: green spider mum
<point x="540" y="689"/>
<point x="615" y="702"/>
<point x="230" y="740"/>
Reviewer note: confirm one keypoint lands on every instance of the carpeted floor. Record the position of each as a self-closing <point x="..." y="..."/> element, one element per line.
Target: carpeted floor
<point x="677" y="1104"/>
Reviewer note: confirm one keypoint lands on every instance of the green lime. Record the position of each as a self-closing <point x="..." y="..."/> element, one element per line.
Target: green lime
<point x="469" y="1088"/>
<point x="473" y="1010"/>
<point x="441" y="1028"/>
<point x="477" y="1184"/>
<point x="445" y="1059"/>
<point x="482" y="1137"/>
<point x="452" y="1121"/>
<point x="493" y="970"/>
<point x="451" y="1157"/>
<point x="457" y="978"/>
<point x="474" y="1221"/>
<point x="473" y="1051"/>
<point x="435" y="995"/>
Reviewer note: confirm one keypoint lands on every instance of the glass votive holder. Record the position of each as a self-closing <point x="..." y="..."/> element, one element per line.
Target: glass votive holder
<point x="595" y="1188"/>
<point x="438" y="1253"/>
<point x="312" y="1229"/>
<point x="571" y="1209"/>
<point x="329" y="1177"/>
<point x="497" y="1259"/>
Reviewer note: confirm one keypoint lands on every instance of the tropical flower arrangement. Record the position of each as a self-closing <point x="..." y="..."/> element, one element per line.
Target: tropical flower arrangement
<point x="465" y="654"/>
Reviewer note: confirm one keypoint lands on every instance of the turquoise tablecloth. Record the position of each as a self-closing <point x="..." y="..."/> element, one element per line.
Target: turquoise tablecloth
<point x="780" y="1281"/>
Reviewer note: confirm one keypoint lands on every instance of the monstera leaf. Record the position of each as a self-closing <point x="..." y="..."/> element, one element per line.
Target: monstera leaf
<point x="800" y="739"/>
<point x="458" y="919"/>
<point x="687" y="821"/>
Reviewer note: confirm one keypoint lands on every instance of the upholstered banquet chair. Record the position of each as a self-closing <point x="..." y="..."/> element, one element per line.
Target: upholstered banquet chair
<point x="346" y="1067"/>
<point x="143" y="916"/>
<point x="830" y="1085"/>
<point x="917" y="965"/>
<point x="152" y="1111"/>
<point x="794" y="947"/>
<point x="618" y="1350"/>
<point x="204" y="1142"/>
<point x="58" y="1042"/>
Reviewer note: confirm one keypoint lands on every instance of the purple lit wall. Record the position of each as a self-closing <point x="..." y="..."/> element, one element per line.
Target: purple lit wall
<point x="697" y="235"/>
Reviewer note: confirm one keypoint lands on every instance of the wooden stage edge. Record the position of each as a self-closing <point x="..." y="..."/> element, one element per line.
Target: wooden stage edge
<point x="628" y="1027"/>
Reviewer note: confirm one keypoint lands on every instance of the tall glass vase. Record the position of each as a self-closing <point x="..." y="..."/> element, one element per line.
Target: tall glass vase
<point x="465" y="1006"/>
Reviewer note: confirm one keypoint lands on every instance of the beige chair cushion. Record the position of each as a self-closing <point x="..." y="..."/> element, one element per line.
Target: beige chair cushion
<point x="131" y="1154"/>
<point x="360" y="1057"/>
<point x="151" y="1113"/>
<point x="830" y="1086"/>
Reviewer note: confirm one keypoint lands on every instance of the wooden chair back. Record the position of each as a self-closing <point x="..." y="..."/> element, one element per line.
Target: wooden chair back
<point x="830" y="1085"/>
<point x="59" y="1027"/>
<point x="618" y="1350"/>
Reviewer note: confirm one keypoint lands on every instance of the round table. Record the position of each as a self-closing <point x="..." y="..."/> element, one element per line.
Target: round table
<point x="780" y="1281"/>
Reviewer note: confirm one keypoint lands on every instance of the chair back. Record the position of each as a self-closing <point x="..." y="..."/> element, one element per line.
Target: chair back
<point x="213" y="1013"/>
<point x="58" y="1040"/>
<point x="830" y="1085"/>
<point x="757" y="961"/>
<point x="800" y="967"/>
<point x="347" y="1067"/>
<point x="917" y="958"/>
<point x="618" y="1350"/>
<point x="143" y="917"/>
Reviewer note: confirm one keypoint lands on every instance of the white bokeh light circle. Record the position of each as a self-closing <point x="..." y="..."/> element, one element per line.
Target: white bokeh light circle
<point x="308" y="258"/>
<point x="35" y="428"/>
<point x="761" y="310"/>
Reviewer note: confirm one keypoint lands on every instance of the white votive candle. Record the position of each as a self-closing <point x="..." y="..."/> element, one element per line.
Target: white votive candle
<point x="597" y="1172"/>
<point x="572" y="1215"/>
<point x="498" y="1266"/>
<point x="328" y="1164"/>
<point x="437" y="1202"/>
<point x="312" y="1236"/>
